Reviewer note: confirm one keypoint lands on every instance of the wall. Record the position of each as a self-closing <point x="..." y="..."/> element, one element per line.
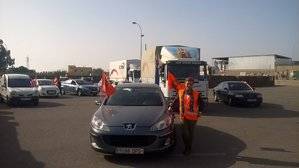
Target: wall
<point x="254" y="81"/>
<point x="251" y="62"/>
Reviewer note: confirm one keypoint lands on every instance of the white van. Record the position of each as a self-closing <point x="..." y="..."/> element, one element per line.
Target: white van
<point x="16" y="88"/>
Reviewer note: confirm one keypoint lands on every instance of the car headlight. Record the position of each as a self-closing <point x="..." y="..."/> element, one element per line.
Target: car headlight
<point x="165" y="123"/>
<point x="239" y="96"/>
<point x="98" y="125"/>
<point x="13" y="93"/>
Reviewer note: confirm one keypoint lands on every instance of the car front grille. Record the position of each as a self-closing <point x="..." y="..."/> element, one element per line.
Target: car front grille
<point x="129" y="141"/>
<point x="51" y="92"/>
<point x="250" y="96"/>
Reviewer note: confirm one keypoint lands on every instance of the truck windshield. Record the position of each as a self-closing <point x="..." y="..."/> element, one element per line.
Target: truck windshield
<point x="182" y="71"/>
<point x="19" y="83"/>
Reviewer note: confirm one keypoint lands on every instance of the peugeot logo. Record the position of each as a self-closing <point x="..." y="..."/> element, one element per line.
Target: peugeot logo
<point x="129" y="126"/>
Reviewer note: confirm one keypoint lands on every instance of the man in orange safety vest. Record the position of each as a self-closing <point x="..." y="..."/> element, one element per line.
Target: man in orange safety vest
<point x="189" y="101"/>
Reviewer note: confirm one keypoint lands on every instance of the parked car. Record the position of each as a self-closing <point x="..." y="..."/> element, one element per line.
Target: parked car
<point x="17" y="88"/>
<point x="134" y="120"/>
<point x="237" y="92"/>
<point x="79" y="87"/>
<point x="46" y="88"/>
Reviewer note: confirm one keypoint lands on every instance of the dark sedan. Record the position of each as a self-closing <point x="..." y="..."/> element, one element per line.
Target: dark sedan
<point x="237" y="92"/>
<point x="79" y="87"/>
<point x="134" y="120"/>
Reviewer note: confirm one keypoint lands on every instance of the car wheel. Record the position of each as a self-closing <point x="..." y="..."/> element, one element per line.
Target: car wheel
<point x="35" y="102"/>
<point x="257" y="104"/>
<point x="79" y="92"/>
<point x="8" y="102"/>
<point x="230" y="101"/>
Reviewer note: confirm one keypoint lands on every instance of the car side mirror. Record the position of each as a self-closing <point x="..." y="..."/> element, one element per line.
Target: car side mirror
<point x="226" y="90"/>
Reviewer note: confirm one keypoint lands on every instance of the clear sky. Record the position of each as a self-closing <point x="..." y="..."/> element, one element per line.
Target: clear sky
<point x="57" y="33"/>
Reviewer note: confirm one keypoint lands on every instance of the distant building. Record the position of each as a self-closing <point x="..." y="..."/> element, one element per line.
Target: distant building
<point x="257" y="65"/>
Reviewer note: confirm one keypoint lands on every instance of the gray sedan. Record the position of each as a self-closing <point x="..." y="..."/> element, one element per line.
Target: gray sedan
<point x="134" y="120"/>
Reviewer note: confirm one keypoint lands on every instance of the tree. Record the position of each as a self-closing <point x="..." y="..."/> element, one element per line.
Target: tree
<point x="5" y="59"/>
<point x="21" y="70"/>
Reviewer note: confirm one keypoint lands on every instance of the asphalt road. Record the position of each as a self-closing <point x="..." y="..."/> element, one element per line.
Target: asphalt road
<point x="55" y="135"/>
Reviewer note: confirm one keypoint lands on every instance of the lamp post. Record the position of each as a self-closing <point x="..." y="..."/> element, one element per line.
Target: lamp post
<point x="141" y="35"/>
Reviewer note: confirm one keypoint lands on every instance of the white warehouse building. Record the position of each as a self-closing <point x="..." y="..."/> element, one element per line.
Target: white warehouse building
<point x="251" y="64"/>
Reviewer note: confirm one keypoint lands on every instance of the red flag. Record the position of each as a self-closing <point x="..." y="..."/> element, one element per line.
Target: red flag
<point x="106" y="86"/>
<point x="173" y="83"/>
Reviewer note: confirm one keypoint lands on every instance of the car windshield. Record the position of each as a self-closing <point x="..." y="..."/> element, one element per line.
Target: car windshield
<point x="44" y="82"/>
<point x="135" y="97"/>
<point x="19" y="82"/>
<point x="83" y="82"/>
<point x="238" y="86"/>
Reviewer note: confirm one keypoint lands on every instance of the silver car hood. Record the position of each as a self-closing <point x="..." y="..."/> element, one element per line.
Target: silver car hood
<point x="140" y="115"/>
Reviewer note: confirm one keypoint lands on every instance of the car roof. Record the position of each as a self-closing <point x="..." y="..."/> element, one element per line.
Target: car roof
<point x="234" y="82"/>
<point x="137" y="85"/>
<point x="44" y="79"/>
<point x="17" y="76"/>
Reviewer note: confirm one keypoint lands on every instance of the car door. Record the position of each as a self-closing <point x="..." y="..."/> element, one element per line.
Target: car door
<point x="224" y="92"/>
<point x="218" y="90"/>
<point x="221" y="92"/>
<point x="73" y="87"/>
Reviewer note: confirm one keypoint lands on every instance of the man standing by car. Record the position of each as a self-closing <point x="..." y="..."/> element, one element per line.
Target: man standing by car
<point x="57" y="82"/>
<point x="189" y="101"/>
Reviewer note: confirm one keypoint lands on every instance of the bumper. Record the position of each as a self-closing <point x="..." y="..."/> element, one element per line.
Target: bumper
<point x="23" y="99"/>
<point x="49" y="93"/>
<point x="247" y="101"/>
<point x="149" y="142"/>
<point x="89" y="92"/>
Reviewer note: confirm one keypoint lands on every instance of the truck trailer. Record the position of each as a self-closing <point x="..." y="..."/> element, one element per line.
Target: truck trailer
<point x="125" y="70"/>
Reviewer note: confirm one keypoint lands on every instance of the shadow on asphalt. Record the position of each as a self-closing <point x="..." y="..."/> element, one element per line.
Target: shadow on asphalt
<point x="11" y="154"/>
<point x="266" y="110"/>
<point x="211" y="148"/>
<point x="268" y="162"/>
<point x="40" y="105"/>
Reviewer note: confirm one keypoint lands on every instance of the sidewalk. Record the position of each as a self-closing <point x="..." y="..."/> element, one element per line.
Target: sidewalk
<point x="287" y="82"/>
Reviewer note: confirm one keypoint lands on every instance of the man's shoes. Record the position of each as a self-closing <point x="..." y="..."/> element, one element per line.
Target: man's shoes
<point x="187" y="152"/>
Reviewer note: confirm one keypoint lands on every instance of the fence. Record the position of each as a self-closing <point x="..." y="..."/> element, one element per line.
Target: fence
<point x="254" y="81"/>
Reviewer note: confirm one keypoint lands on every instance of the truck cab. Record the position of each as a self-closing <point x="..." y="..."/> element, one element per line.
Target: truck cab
<point x="182" y="62"/>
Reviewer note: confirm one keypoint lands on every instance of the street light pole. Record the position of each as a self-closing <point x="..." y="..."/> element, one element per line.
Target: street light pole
<point x="141" y="35"/>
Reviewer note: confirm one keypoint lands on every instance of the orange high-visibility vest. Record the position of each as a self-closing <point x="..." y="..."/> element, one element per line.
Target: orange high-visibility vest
<point x="185" y="105"/>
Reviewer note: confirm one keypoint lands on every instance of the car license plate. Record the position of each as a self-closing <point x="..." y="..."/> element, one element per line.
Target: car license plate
<point x="129" y="151"/>
<point x="26" y="98"/>
<point x="251" y="100"/>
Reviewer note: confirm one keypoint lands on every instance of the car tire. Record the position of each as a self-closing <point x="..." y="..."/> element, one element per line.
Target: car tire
<point x="35" y="102"/>
<point x="8" y="102"/>
<point x="79" y="92"/>
<point x="230" y="101"/>
<point x="257" y="104"/>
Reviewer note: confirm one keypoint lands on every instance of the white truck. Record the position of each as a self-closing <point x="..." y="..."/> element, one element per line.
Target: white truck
<point x="125" y="70"/>
<point x="181" y="61"/>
